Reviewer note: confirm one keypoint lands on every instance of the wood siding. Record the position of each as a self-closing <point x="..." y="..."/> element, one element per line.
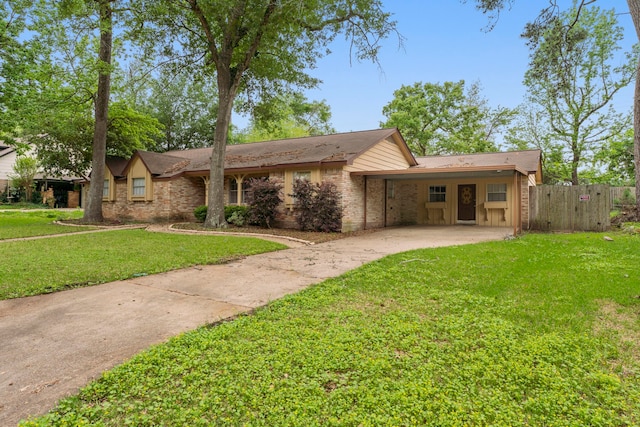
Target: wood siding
<point x="385" y="155"/>
<point x="137" y="169"/>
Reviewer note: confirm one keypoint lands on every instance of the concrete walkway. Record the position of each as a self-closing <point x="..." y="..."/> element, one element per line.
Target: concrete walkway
<point x="51" y="345"/>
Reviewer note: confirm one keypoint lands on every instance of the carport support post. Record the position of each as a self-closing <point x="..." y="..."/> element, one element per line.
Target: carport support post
<point x="516" y="203"/>
<point x="364" y="225"/>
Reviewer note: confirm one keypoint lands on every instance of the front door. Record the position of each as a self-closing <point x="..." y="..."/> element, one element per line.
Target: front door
<point x="467" y="202"/>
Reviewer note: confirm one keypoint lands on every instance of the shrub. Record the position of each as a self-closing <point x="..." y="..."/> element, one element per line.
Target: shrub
<point x="229" y="210"/>
<point x="317" y="206"/>
<point x="200" y="213"/>
<point x="236" y="219"/>
<point x="263" y="198"/>
<point x="627" y="199"/>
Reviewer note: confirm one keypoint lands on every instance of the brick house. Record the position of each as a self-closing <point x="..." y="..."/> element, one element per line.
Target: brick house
<point x="381" y="182"/>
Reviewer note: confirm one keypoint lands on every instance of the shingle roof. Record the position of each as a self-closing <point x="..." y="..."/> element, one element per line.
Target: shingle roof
<point x="116" y="165"/>
<point x="527" y="161"/>
<point x="341" y="148"/>
<point x="162" y="163"/>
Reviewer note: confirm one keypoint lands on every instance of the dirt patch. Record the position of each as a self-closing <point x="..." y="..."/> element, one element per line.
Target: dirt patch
<point x="627" y="214"/>
<point x="622" y="324"/>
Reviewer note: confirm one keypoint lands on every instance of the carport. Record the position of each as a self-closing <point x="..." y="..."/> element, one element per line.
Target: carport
<point x="489" y="190"/>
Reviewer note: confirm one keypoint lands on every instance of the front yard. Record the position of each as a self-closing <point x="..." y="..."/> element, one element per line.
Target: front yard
<point x="541" y="330"/>
<point x="46" y="265"/>
<point x="15" y="224"/>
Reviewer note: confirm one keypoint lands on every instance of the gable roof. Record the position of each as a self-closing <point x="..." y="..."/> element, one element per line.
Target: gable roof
<point x="116" y="165"/>
<point x="340" y="148"/>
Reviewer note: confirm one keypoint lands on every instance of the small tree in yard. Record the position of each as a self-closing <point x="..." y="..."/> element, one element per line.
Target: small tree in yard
<point x="263" y="198"/>
<point x="317" y="206"/>
<point x="25" y="171"/>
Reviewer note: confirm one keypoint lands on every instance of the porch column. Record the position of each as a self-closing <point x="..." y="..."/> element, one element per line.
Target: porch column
<point x="206" y="190"/>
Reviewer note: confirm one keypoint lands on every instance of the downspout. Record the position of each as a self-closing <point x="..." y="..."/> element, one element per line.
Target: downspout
<point x="364" y="226"/>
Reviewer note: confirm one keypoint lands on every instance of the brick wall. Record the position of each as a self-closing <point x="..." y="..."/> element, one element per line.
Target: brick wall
<point x="172" y="200"/>
<point x="375" y="203"/>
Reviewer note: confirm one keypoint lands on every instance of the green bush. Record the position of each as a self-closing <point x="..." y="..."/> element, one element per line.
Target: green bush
<point x="200" y="213"/>
<point x="240" y="210"/>
<point x="628" y="198"/>
<point x="237" y="219"/>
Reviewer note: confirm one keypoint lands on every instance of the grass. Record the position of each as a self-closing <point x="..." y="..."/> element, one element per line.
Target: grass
<point x="16" y="224"/>
<point x="46" y="265"/>
<point x="541" y="330"/>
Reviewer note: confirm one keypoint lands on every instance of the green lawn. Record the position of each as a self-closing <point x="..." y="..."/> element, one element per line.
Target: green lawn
<point x="45" y="265"/>
<point x="539" y="331"/>
<point x="36" y="223"/>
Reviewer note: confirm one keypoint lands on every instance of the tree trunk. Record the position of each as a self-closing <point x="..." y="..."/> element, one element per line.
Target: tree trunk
<point x="634" y="9"/>
<point x="215" y="209"/>
<point x="93" y="208"/>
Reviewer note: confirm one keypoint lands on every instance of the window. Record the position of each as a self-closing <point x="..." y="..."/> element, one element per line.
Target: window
<point x="233" y="191"/>
<point x="496" y="192"/>
<point x="105" y="189"/>
<point x="301" y="175"/>
<point x="437" y="193"/>
<point x="138" y="187"/>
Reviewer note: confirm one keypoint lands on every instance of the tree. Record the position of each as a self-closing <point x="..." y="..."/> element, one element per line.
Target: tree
<point x="17" y="54"/>
<point x="443" y="119"/>
<point x="66" y="148"/>
<point x="547" y="15"/>
<point x="634" y="8"/>
<point x="263" y="46"/>
<point x="25" y="170"/>
<point x="288" y="116"/>
<point x="572" y="80"/>
<point x="79" y="34"/>
<point x="186" y="107"/>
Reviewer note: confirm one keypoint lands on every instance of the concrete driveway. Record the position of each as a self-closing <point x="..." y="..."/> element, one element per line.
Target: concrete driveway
<point x="51" y="345"/>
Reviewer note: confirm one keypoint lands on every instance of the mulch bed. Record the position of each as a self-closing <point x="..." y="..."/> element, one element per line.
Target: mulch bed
<point x="310" y="236"/>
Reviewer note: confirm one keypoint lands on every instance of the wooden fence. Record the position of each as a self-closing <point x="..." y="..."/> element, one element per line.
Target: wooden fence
<point x="618" y="192"/>
<point x="570" y="208"/>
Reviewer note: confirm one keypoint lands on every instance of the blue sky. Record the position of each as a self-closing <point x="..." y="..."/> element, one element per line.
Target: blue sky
<point x="445" y="41"/>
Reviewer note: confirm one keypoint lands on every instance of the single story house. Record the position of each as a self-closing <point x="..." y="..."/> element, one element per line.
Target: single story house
<point x="380" y="181"/>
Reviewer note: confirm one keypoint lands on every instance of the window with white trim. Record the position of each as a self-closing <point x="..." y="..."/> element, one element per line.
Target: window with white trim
<point x="437" y="193"/>
<point x="138" y="185"/>
<point x="496" y="192"/>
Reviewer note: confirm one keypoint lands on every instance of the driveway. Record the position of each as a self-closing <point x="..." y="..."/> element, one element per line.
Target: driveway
<point x="51" y="345"/>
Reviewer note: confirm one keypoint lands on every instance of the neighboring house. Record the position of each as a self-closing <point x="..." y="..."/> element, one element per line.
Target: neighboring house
<point x="381" y="182"/>
<point x="8" y="157"/>
<point x="58" y="187"/>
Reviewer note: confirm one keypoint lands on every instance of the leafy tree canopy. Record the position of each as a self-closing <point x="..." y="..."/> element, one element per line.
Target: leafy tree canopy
<point x="66" y="147"/>
<point x="574" y="75"/>
<point x="444" y="118"/>
<point x="288" y="116"/>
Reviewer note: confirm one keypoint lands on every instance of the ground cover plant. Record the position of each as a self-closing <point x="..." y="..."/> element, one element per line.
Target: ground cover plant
<point x="45" y="265"/>
<point x="540" y="330"/>
<point x="16" y="224"/>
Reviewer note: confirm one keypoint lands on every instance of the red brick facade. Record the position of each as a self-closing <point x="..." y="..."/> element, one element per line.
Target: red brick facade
<point x="172" y="199"/>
